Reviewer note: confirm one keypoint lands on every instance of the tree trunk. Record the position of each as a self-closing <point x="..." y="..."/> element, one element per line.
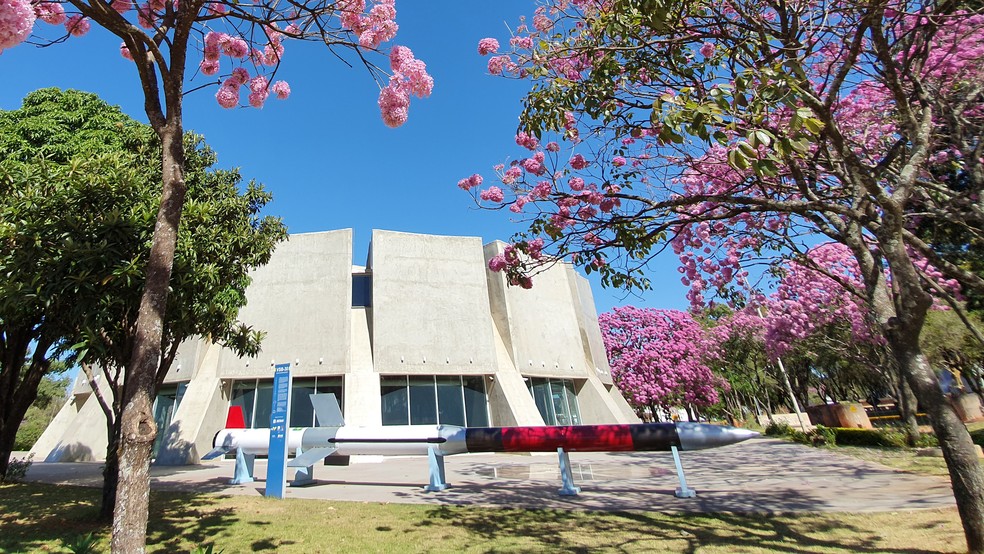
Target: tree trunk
<point x="907" y="411"/>
<point x="137" y="425"/>
<point x="111" y="474"/>
<point x="959" y="451"/>
<point x="14" y="411"/>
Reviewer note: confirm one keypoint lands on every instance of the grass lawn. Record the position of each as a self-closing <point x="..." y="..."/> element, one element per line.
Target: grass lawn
<point x="905" y="459"/>
<point x="37" y="518"/>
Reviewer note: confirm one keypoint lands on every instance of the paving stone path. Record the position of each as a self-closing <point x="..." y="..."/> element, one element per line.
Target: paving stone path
<point x="761" y="475"/>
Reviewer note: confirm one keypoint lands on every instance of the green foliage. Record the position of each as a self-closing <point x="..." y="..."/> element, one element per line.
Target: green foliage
<point x="977" y="436"/>
<point x="17" y="469"/>
<point x="205" y="549"/>
<point x="778" y="429"/>
<point x="824" y="436"/>
<point x="51" y="394"/>
<point x="82" y="544"/>
<point x="870" y="437"/>
<point x="77" y="214"/>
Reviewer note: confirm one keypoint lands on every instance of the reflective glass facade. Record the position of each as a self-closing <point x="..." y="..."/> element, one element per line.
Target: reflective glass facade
<point x="434" y="399"/>
<point x="256" y="397"/>
<point x="556" y="399"/>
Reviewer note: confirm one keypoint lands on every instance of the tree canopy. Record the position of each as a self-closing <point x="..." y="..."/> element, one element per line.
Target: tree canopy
<point x="76" y="227"/>
<point x="735" y="132"/>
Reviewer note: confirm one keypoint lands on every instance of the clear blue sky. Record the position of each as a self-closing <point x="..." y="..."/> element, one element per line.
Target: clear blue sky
<point x="325" y="153"/>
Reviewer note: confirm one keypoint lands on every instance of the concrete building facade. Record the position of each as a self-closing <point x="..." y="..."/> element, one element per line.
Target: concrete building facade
<point x="423" y="334"/>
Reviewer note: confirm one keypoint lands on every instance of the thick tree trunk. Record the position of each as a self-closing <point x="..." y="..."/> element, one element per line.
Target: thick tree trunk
<point x="137" y="425"/>
<point x="15" y="408"/>
<point x="907" y="411"/>
<point x="111" y="475"/>
<point x="959" y="450"/>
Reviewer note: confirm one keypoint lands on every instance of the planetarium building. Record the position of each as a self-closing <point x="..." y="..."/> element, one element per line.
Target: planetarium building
<point x="423" y="334"/>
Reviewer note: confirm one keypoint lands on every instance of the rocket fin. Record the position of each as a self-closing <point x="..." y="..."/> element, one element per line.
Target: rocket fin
<point x="310" y="457"/>
<point x="216" y="452"/>
<point x="327" y="411"/>
<point x="235" y="419"/>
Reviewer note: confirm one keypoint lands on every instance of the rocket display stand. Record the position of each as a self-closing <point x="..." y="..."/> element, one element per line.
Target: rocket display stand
<point x="304" y="476"/>
<point x="566" y="477"/>
<point x="435" y="463"/>
<point x="244" y="468"/>
<point x="683" y="491"/>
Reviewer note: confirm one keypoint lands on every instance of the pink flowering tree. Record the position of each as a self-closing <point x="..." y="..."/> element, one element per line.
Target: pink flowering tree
<point x="239" y="49"/>
<point x="734" y="132"/>
<point x="657" y="360"/>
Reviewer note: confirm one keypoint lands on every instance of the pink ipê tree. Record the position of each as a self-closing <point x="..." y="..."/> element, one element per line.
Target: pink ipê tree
<point x="736" y="132"/>
<point x="242" y="46"/>
<point x="657" y="359"/>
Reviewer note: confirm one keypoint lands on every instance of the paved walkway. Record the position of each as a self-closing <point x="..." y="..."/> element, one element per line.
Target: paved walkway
<point x="760" y="475"/>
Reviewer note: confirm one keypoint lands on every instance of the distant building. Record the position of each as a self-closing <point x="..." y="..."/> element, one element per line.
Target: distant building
<point x="423" y="334"/>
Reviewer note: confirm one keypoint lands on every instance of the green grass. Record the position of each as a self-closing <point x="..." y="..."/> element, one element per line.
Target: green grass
<point x="38" y="518"/>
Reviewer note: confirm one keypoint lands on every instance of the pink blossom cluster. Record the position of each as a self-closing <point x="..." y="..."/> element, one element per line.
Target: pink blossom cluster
<point x="807" y="300"/>
<point x="373" y="28"/>
<point x="658" y="357"/>
<point x="259" y="89"/>
<point x="469" y="183"/>
<point x="409" y="78"/>
<point x="16" y="21"/>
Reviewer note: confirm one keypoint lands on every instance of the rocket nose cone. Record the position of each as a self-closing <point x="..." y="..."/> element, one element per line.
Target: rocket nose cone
<point x="697" y="436"/>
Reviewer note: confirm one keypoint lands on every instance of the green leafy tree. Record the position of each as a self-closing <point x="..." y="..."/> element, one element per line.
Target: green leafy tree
<point x="82" y="235"/>
<point x="51" y="396"/>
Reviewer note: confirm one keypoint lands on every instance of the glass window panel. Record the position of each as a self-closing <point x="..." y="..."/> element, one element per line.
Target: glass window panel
<point x="243" y="393"/>
<point x="572" y="406"/>
<point x="423" y="401"/>
<point x="476" y="402"/>
<point x="332" y="385"/>
<point x="450" y="403"/>
<point x="558" y="402"/>
<point x="395" y="401"/>
<point x="301" y="410"/>
<point x="164" y="406"/>
<point x="264" y="405"/>
<point x="541" y="395"/>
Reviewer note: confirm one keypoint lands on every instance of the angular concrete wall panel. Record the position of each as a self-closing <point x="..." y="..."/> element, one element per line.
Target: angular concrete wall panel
<point x="302" y="299"/>
<point x="430" y="312"/>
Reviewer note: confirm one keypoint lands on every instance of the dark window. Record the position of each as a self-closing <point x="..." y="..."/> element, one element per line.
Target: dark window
<point x="362" y="290"/>
<point x="396" y="403"/>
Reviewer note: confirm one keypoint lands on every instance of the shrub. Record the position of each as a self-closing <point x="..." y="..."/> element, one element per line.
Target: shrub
<point x="824" y="436"/>
<point x="83" y="544"/>
<point x="927" y="439"/>
<point x="869" y="437"/>
<point x="978" y="437"/>
<point x="778" y="429"/>
<point x="17" y="469"/>
<point x="800" y="437"/>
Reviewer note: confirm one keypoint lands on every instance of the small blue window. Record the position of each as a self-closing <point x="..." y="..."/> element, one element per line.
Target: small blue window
<point x="362" y="290"/>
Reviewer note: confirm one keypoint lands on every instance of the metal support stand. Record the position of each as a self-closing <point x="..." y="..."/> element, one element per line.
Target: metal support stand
<point x="683" y="491"/>
<point x="566" y="478"/>
<point x="244" y="468"/>
<point x="437" y="479"/>
<point x="304" y="475"/>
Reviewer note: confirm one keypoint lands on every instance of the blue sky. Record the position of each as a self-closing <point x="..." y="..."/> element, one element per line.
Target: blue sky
<point x="325" y="154"/>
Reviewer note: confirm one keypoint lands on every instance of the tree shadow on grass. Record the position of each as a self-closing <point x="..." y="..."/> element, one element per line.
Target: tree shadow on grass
<point x="580" y="531"/>
<point x="33" y="515"/>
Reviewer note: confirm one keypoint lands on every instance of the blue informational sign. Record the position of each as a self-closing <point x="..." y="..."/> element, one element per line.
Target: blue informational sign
<point x="276" y="480"/>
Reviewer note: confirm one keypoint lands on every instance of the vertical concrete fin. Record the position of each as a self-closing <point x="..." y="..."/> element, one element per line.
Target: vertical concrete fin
<point x="198" y="417"/>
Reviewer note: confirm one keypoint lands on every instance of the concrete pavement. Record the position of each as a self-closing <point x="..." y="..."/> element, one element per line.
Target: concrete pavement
<point x="761" y="475"/>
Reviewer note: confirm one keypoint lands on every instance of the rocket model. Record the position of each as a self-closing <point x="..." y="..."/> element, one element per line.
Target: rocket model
<point x="333" y="438"/>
